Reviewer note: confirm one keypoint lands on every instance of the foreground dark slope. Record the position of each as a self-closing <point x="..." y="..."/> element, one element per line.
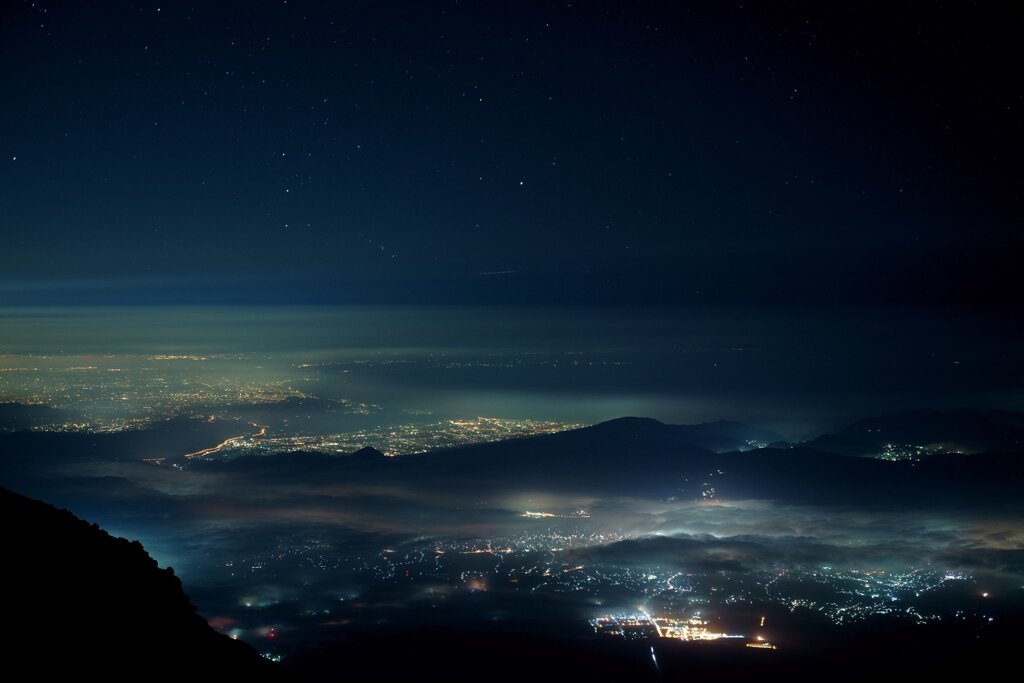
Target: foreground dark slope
<point x="78" y="596"/>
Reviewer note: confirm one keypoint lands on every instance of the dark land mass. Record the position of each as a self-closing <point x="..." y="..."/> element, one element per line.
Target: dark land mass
<point x="636" y="456"/>
<point x="628" y="457"/>
<point x="30" y="415"/>
<point x="941" y="430"/>
<point x="80" y="599"/>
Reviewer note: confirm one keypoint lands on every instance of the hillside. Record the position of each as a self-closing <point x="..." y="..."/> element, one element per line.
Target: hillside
<point x="77" y="595"/>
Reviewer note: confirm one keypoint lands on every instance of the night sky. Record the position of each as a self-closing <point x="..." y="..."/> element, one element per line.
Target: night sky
<point x="452" y="333"/>
<point x="510" y="152"/>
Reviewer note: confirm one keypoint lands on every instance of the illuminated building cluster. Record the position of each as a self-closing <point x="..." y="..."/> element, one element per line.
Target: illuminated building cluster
<point x="677" y="605"/>
<point x="855" y="595"/>
<point x="113" y="393"/>
<point x="894" y="452"/>
<point x="402" y="439"/>
<point x="639" y="625"/>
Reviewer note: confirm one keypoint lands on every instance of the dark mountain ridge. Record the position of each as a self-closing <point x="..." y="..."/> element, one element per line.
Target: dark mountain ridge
<point x="935" y="430"/>
<point x="81" y="597"/>
<point x="643" y="457"/>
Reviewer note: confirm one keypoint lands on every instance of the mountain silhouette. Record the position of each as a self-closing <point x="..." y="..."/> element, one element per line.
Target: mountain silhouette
<point x="29" y="415"/>
<point x="936" y="430"/>
<point x="646" y="458"/>
<point x="78" y="597"/>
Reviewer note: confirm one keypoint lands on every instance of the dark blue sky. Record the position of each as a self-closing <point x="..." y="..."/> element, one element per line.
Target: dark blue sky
<point x="493" y="152"/>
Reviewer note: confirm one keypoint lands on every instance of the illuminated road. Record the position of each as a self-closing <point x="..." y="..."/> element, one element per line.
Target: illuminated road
<point x="229" y="442"/>
<point x="656" y="628"/>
